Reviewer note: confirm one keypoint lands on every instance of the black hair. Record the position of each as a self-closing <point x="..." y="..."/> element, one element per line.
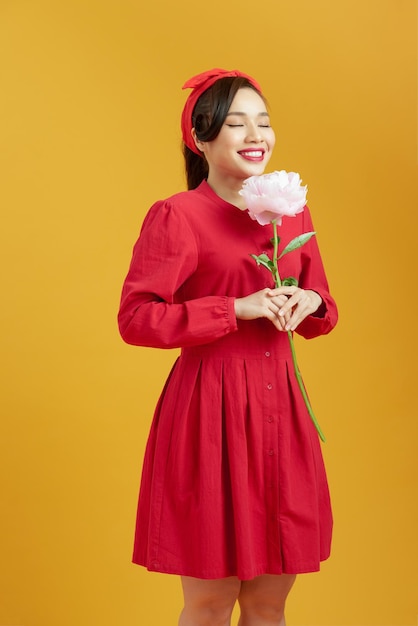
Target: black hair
<point x="208" y="117"/>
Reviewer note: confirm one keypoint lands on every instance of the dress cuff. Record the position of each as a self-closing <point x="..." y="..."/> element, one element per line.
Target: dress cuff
<point x="230" y="302"/>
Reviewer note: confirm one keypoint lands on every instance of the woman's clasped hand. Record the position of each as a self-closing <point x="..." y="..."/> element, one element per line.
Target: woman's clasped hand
<point x="285" y="307"/>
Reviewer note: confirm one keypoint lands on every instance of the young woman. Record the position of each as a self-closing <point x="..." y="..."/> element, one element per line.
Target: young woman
<point x="234" y="495"/>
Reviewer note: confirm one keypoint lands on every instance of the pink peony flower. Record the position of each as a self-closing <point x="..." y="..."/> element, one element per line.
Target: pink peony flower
<point x="272" y="196"/>
<point x="269" y="198"/>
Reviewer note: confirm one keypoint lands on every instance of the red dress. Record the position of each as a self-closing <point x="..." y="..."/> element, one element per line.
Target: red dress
<point x="233" y="481"/>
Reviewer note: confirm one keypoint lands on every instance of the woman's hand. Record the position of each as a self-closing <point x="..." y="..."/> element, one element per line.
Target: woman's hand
<point x="299" y="304"/>
<point x="265" y="303"/>
<point x="285" y="307"/>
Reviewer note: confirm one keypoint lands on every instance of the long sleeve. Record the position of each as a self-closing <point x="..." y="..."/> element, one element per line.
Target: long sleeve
<point x="313" y="277"/>
<point x="154" y="309"/>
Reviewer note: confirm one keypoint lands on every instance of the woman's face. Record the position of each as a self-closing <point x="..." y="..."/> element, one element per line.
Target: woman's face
<point x="245" y="142"/>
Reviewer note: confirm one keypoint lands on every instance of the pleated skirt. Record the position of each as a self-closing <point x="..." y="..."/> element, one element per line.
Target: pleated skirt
<point x="233" y="480"/>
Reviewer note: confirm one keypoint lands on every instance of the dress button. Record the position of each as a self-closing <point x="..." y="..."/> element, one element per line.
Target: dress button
<point x="271" y="452"/>
<point x="269" y="386"/>
<point x="270" y="418"/>
<point x="267" y="353"/>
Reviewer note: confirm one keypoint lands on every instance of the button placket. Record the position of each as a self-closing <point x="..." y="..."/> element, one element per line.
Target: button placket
<point x="270" y="442"/>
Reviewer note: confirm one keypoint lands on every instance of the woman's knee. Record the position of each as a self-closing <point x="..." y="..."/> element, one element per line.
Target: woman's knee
<point x="208" y="602"/>
<point x="264" y="598"/>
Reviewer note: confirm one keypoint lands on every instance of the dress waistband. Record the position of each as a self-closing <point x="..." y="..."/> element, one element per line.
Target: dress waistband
<point x="244" y="346"/>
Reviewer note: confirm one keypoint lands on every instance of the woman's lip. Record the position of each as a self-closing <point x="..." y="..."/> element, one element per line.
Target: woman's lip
<point x="252" y="155"/>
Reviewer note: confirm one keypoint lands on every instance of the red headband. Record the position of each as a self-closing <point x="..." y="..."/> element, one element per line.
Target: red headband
<point x="199" y="84"/>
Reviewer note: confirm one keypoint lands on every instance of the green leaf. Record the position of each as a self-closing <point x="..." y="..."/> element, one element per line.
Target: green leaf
<point x="263" y="260"/>
<point x="297" y="242"/>
<point x="291" y="281"/>
<point x="261" y="257"/>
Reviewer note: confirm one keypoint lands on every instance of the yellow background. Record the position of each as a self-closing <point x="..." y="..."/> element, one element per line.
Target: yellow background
<point x="89" y="112"/>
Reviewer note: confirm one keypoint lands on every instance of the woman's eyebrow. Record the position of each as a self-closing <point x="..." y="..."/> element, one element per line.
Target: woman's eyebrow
<point x="262" y="113"/>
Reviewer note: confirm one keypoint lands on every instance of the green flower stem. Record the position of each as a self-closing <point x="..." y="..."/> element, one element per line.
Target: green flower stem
<point x="278" y="283"/>
<point x="276" y="274"/>
<point x="302" y="388"/>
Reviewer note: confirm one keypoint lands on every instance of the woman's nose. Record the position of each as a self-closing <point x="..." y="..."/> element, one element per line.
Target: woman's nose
<point x="254" y="133"/>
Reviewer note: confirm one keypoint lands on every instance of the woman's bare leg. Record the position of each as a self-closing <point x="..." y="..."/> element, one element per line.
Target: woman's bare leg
<point x="208" y="602"/>
<point x="262" y="600"/>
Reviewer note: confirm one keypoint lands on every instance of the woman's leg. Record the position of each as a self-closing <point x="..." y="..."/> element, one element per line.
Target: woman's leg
<point x="208" y="602"/>
<point x="262" y="600"/>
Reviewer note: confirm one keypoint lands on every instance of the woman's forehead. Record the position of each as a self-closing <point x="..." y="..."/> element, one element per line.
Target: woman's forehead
<point x="247" y="100"/>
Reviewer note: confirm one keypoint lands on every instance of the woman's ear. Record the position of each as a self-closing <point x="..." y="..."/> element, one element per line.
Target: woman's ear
<point x="200" y="145"/>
